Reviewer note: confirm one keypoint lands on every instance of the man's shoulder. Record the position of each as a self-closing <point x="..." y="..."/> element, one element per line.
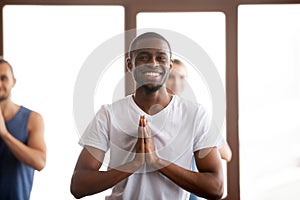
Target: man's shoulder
<point x="34" y="116"/>
<point x="117" y="104"/>
<point x="123" y="100"/>
<point x="186" y="103"/>
<point x="30" y="112"/>
<point x="27" y="115"/>
<point x="25" y="109"/>
<point x="190" y="108"/>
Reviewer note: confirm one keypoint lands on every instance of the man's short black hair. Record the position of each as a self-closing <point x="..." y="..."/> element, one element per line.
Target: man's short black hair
<point x="147" y="35"/>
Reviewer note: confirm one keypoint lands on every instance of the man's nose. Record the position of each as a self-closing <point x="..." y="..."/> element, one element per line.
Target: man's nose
<point x="153" y="61"/>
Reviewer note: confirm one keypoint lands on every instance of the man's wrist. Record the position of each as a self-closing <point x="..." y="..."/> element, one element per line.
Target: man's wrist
<point x="4" y="135"/>
<point x="135" y="165"/>
<point x="160" y="163"/>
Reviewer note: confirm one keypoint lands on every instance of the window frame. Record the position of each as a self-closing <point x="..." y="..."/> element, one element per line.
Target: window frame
<point x="229" y="8"/>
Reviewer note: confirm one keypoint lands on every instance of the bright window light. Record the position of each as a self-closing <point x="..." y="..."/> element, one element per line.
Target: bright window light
<point x="269" y="96"/>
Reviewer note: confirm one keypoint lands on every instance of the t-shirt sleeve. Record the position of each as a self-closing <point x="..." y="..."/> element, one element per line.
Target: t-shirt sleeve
<point x="221" y="143"/>
<point x="97" y="134"/>
<point x="205" y="135"/>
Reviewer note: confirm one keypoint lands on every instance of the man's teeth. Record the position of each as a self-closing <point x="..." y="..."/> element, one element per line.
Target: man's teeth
<point x="151" y="74"/>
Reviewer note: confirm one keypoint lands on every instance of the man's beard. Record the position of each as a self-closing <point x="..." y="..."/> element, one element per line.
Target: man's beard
<point x="150" y="90"/>
<point x="4" y="97"/>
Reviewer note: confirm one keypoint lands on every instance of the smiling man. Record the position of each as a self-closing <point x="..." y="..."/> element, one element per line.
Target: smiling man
<point x="22" y="145"/>
<point x="149" y="137"/>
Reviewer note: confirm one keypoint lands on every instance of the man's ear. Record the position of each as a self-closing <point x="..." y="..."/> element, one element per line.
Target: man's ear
<point x="15" y="80"/>
<point x="129" y="64"/>
<point x="171" y="64"/>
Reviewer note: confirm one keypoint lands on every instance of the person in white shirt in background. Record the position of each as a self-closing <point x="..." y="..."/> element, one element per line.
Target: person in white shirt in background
<point x="176" y="85"/>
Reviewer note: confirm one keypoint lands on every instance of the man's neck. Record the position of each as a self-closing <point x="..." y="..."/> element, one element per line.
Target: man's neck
<point x="153" y="102"/>
<point x="8" y="109"/>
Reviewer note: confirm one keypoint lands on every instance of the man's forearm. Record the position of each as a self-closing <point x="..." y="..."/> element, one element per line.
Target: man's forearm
<point x="88" y="182"/>
<point x="204" y="184"/>
<point x="34" y="158"/>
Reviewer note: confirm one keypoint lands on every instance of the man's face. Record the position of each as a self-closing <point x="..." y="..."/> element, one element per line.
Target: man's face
<point x="151" y="63"/>
<point x="176" y="81"/>
<point x="7" y="81"/>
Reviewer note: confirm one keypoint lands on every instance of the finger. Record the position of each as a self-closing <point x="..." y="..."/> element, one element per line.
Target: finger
<point x="141" y="131"/>
<point x="144" y="121"/>
<point x="140" y="146"/>
<point x="144" y="130"/>
<point x="147" y="130"/>
<point x="142" y="117"/>
<point x="142" y="134"/>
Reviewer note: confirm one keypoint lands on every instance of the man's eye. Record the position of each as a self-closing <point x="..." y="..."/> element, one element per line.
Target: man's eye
<point x="3" y="78"/>
<point x="162" y="58"/>
<point x="142" y="58"/>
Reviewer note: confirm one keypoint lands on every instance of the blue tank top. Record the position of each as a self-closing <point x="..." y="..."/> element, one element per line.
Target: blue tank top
<point x="16" y="178"/>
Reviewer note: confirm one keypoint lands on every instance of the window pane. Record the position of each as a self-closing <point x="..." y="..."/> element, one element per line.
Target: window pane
<point x="269" y="96"/>
<point x="207" y="31"/>
<point x="47" y="46"/>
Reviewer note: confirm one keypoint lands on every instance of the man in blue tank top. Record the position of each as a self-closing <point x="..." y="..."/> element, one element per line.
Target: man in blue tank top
<point x="22" y="145"/>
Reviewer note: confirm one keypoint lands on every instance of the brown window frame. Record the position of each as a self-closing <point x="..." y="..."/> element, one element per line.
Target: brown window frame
<point x="229" y="8"/>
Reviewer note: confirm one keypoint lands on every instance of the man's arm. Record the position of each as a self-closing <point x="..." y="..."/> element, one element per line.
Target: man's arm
<point x="208" y="182"/>
<point x="88" y="180"/>
<point x="225" y="152"/>
<point x="34" y="153"/>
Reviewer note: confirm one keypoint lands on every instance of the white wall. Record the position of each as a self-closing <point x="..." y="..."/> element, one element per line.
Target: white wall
<point x="269" y="96"/>
<point x="47" y="46"/>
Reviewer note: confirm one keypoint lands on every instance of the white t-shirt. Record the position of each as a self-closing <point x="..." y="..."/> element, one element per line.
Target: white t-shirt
<point x="178" y="130"/>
